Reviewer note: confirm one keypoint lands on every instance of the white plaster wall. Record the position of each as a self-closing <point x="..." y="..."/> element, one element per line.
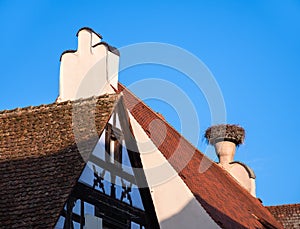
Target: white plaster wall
<point x="175" y="205"/>
<point x="241" y="175"/>
<point x="89" y="71"/>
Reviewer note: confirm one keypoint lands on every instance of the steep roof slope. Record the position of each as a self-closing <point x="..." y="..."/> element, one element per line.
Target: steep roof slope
<point x="288" y="214"/>
<point x="40" y="161"/>
<point x="224" y="200"/>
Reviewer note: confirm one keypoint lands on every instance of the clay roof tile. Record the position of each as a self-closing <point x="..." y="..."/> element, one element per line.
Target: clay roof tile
<point x="229" y="205"/>
<point x="40" y="161"/>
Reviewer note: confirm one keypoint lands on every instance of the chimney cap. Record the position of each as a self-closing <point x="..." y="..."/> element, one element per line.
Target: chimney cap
<point x="225" y="132"/>
<point x="90" y="30"/>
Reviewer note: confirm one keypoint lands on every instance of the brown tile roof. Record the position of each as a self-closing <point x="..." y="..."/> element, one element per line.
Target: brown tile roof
<point x="288" y="214"/>
<point x="39" y="159"/>
<point x="225" y="201"/>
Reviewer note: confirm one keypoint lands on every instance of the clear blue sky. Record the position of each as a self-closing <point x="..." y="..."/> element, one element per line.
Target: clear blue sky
<point x="251" y="47"/>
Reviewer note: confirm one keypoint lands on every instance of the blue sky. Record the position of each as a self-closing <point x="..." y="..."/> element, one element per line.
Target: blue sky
<point x="251" y="47"/>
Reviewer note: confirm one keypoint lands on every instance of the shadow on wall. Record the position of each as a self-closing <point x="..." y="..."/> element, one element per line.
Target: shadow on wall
<point x="190" y="218"/>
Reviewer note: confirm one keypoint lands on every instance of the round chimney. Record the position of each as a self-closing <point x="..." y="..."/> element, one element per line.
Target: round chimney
<point x="225" y="138"/>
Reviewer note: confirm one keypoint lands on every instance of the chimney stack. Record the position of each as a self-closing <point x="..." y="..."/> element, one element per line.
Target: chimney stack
<point x="225" y="138"/>
<point x="91" y="70"/>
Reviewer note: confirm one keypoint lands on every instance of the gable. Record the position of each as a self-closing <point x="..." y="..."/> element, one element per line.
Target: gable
<point x="109" y="192"/>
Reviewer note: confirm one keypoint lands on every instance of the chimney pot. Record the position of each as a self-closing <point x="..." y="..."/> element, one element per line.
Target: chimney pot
<point x="225" y="138"/>
<point x="225" y="151"/>
<point x="84" y="42"/>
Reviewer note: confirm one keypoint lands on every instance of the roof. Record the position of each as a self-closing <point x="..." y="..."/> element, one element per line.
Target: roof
<point x="230" y="205"/>
<point x="288" y="214"/>
<point x="36" y="183"/>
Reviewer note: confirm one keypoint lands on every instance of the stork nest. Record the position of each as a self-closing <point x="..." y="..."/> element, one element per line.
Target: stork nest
<point x="225" y="132"/>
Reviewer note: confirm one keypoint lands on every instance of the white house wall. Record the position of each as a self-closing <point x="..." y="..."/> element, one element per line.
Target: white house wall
<point x="175" y="205"/>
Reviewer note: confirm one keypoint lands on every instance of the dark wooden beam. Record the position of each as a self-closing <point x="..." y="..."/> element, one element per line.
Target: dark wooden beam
<point x="107" y="204"/>
<point x="117" y="171"/>
<point x="82" y="220"/>
<point x="107" y="142"/>
<point x="75" y="217"/>
<point x="135" y="160"/>
<point x="69" y="213"/>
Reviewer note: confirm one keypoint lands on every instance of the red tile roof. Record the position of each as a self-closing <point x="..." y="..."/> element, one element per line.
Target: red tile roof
<point x="288" y="215"/>
<point x="229" y="205"/>
<point x="39" y="160"/>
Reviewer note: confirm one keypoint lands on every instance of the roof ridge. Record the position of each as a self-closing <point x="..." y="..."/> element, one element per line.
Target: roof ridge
<point x="55" y="104"/>
<point x="283" y="205"/>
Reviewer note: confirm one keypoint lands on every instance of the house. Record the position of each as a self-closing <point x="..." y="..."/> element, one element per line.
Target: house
<point x="287" y="214"/>
<point x="99" y="157"/>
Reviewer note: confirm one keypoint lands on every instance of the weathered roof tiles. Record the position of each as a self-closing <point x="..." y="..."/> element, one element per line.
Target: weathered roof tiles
<point x="39" y="159"/>
<point x="288" y="214"/>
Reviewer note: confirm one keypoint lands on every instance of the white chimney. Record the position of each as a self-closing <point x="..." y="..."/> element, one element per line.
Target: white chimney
<point x="225" y="138"/>
<point x="91" y="70"/>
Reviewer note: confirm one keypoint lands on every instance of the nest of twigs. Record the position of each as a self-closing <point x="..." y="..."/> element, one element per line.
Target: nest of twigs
<point x="225" y="132"/>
